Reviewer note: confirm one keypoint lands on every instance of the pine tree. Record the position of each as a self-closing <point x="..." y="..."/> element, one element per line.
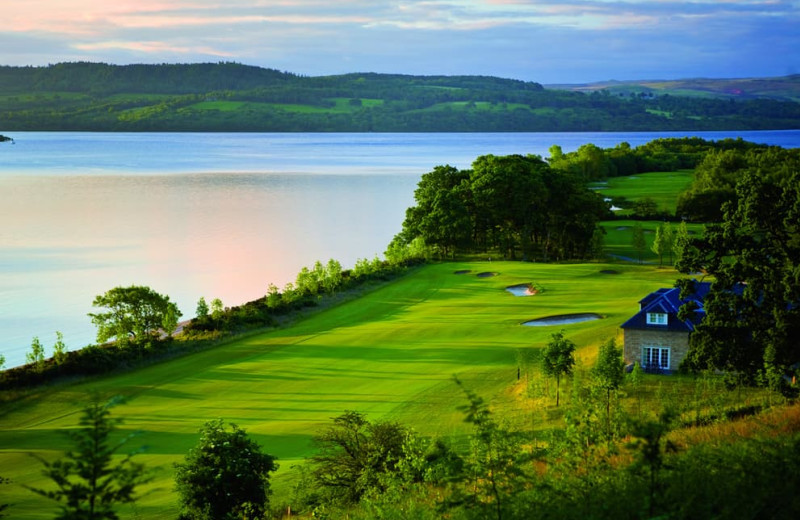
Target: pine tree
<point x="89" y="484"/>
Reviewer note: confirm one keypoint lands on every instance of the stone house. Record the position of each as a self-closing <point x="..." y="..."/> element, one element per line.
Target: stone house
<point x="654" y="337"/>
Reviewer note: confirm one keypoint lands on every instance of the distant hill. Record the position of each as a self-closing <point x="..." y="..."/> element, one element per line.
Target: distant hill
<point x="236" y="97"/>
<point x="786" y="88"/>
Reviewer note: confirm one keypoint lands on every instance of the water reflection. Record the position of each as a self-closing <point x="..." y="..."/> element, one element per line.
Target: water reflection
<point x="66" y="239"/>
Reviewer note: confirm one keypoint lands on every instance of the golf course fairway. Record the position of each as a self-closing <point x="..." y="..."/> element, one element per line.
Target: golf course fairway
<point x="390" y="354"/>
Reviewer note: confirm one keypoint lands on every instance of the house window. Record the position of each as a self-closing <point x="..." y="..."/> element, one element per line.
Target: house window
<point x="655" y="358"/>
<point x="656" y="318"/>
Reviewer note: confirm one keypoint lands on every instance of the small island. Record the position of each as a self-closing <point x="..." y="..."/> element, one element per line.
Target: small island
<point x="4" y="139"/>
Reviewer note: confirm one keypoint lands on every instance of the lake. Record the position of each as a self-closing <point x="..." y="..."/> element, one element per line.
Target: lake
<point x="213" y="215"/>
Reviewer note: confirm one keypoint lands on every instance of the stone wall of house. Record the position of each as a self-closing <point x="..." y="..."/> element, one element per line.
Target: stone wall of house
<point x="635" y="339"/>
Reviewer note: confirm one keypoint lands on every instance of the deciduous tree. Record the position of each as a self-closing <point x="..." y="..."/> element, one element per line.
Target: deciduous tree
<point x="681" y="240"/>
<point x="202" y="308"/>
<point x="217" y="311"/>
<point x="752" y="312"/>
<point x="59" y="349"/>
<point x="662" y="242"/>
<point x="353" y="455"/>
<point x="36" y="355"/>
<point x="135" y="313"/>
<point x="608" y="373"/>
<point x="558" y="359"/>
<point x="225" y="476"/>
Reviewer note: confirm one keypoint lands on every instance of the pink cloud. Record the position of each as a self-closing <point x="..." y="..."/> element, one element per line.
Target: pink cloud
<point x="151" y="47"/>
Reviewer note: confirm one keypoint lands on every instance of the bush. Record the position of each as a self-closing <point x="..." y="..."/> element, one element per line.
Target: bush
<point x="225" y="476"/>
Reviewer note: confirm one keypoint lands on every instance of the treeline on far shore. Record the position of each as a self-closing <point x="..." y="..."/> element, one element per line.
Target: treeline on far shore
<point x="230" y="97"/>
<point x="321" y="284"/>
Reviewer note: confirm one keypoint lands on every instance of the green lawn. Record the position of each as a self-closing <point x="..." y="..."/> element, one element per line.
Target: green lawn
<point x="390" y="354"/>
<point x="619" y="238"/>
<point x="662" y="187"/>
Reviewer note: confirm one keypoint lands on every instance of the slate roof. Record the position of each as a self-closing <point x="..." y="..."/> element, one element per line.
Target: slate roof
<point x="668" y="301"/>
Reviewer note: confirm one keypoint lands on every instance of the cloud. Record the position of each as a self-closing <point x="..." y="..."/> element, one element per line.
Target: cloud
<point x="540" y="40"/>
<point x="152" y="47"/>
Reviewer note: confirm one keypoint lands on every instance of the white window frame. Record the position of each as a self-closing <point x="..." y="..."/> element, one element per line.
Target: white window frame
<point x="657" y="318"/>
<point x="662" y="356"/>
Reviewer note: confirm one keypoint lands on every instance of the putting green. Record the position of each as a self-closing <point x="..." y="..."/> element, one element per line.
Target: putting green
<point x="390" y="354"/>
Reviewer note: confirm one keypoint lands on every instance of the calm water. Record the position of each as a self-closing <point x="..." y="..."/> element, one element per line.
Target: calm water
<point x="214" y="215"/>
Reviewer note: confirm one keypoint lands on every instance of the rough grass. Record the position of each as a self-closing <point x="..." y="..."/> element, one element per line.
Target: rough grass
<point x="390" y="354"/>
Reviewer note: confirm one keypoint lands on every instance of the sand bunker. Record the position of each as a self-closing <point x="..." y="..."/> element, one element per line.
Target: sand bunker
<point x="563" y="319"/>
<point x="486" y="275"/>
<point x="463" y="271"/>
<point x="523" y="289"/>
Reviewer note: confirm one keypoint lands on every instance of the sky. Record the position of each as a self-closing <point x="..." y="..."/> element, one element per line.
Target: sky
<point x="547" y="41"/>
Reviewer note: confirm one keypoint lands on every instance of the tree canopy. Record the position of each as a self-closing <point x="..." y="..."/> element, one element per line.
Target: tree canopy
<point x="133" y="314"/>
<point x="225" y="476"/>
<point x="752" y="312"/>
<point x="354" y="454"/>
<point x="558" y="358"/>
<point x="515" y="204"/>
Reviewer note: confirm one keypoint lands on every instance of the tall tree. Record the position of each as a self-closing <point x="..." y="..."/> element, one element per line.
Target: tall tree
<point x="59" y="349"/>
<point x="441" y="216"/>
<point x="333" y="276"/>
<point x="608" y="373"/>
<point x="662" y="242"/>
<point x="681" y="240"/>
<point x="752" y="312"/>
<point x="36" y="355"/>
<point x="558" y="359"/>
<point x="354" y="454"/>
<point x="135" y="313"/>
<point x="668" y="239"/>
<point x="225" y="476"/>
<point x="511" y="197"/>
<point x="217" y="312"/>
<point x="202" y="308"/>
<point x="89" y="484"/>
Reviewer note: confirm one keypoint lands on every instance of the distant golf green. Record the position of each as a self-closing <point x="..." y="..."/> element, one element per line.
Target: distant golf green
<point x="618" y="240"/>
<point x="662" y="187"/>
<point x="390" y="354"/>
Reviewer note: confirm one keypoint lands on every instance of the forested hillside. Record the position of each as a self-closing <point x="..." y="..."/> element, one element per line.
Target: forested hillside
<point x="235" y="97"/>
